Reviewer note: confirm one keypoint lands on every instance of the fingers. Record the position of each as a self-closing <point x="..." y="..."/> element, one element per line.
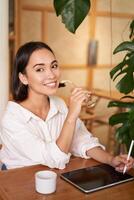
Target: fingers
<point x="77" y="98"/>
<point x="79" y="89"/>
<point x="130" y="163"/>
<point x="121" y="162"/>
<point x="119" y="169"/>
<point x="81" y="95"/>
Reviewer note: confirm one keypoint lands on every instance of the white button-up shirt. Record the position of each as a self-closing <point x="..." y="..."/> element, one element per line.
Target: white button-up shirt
<point x="29" y="140"/>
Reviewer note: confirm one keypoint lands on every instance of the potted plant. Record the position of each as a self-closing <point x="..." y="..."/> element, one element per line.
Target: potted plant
<point x="124" y="71"/>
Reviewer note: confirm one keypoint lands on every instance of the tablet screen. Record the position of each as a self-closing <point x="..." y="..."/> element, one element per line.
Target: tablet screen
<point x="95" y="178"/>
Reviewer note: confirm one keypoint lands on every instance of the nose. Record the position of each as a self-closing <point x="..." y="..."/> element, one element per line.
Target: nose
<point x="50" y="74"/>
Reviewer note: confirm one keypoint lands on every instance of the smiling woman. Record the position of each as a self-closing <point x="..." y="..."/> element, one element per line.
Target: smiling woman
<point x="32" y="63"/>
<point x="41" y="74"/>
<point x="37" y="127"/>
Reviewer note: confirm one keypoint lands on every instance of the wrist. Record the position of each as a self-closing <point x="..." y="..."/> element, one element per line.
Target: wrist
<point x="110" y="160"/>
<point x="71" y="118"/>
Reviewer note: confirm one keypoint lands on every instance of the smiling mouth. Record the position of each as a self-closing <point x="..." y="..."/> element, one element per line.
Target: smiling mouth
<point x="51" y="84"/>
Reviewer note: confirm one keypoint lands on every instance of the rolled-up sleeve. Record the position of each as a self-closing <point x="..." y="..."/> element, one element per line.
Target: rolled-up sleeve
<point x="57" y="158"/>
<point x="27" y="148"/>
<point x="83" y="141"/>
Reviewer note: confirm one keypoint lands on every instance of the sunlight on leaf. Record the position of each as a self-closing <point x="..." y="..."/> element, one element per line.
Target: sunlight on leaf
<point x="73" y="12"/>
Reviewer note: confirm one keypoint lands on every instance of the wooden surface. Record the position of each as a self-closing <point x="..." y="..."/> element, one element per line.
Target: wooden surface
<point x="18" y="184"/>
<point x="110" y="95"/>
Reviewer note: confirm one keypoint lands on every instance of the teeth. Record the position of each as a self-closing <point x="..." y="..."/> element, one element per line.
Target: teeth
<point x="51" y="84"/>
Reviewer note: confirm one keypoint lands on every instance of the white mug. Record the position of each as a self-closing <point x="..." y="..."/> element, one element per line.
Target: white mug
<point x="45" y="181"/>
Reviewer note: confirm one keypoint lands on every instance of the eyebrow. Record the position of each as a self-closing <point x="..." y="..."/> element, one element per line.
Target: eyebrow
<point x="43" y="64"/>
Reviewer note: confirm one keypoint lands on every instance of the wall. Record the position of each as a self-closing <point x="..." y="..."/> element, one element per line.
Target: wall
<point x="4" y="57"/>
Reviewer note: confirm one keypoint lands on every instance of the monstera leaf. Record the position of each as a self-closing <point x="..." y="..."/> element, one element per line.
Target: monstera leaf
<point x="118" y="118"/>
<point x="120" y="104"/>
<point x="126" y="68"/>
<point x="124" y="46"/>
<point x="123" y="87"/>
<point x="131" y="30"/>
<point x="72" y="12"/>
<point x="124" y="122"/>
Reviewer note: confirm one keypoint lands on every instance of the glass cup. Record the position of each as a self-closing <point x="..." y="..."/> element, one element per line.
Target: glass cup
<point x="90" y="100"/>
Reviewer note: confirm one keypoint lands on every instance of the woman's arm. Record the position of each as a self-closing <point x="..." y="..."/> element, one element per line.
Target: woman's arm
<point x="64" y="141"/>
<point x="118" y="162"/>
<point x="100" y="155"/>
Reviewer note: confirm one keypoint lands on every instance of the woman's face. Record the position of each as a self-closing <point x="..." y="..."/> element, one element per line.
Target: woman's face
<point x="42" y="73"/>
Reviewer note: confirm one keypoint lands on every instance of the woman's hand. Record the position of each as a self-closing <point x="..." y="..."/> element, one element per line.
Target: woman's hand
<point x="77" y="98"/>
<point x="119" y="162"/>
<point x="65" y="138"/>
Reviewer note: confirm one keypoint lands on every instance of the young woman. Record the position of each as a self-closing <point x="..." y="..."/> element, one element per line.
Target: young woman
<point x="37" y="127"/>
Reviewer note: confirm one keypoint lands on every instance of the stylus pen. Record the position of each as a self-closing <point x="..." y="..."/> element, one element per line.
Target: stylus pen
<point x="128" y="156"/>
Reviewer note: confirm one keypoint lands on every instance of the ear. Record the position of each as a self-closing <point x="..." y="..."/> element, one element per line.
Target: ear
<point x="23" y="78"/>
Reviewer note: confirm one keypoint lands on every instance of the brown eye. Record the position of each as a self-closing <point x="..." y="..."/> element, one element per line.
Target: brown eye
<point x="39" y="70"/>
<point x="55" y="66"/>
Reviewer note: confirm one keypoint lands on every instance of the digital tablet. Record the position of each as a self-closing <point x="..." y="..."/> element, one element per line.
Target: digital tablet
<point x="95" y="178"/>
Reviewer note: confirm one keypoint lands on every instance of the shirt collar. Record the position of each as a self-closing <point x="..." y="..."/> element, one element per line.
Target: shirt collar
<point x="55" y="107"/>
<point x="20" y="111"/>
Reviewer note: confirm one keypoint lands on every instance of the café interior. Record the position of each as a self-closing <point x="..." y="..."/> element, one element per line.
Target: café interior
<point x="85" y="57"/>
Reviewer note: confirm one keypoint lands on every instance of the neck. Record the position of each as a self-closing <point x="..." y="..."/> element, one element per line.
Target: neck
<point x="39" y="106"/>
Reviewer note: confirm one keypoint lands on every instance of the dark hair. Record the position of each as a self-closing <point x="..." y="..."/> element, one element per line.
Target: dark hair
<point x="19" y="90"/>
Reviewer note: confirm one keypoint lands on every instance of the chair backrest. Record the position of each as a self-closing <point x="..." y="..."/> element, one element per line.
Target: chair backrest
<point x="2" y="166"/>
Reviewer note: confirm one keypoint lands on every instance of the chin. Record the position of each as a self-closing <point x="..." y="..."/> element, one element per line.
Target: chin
<point x="52" y="92"/>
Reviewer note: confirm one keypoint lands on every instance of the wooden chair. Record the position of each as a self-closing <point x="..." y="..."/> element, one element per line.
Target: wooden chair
<point x="93" y="119"/>
<point x="87" y="119"/>
<point x="2" y="166"/>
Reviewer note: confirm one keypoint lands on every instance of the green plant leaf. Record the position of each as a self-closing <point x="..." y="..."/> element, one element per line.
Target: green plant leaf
<point x="124" y="46"/>
<point x="132" y="131"/>
<point x="122" y="66"/>
<point x="117" y="68"/>
<point x="131" y="29"/>
<point x="127" y="97"/>
<point x="118" y="118"/>
<point x="125" y="67"/>
<point x="124" y="121"/>
<point x="131" y="116"/>
<point x="59" y="6"/>
<point x="72" y="12"/>
<point x="120" y="104"/>
<point x="121" y="132"/>
<point x="124" y="71"/>
<point x="126" y="84"/>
